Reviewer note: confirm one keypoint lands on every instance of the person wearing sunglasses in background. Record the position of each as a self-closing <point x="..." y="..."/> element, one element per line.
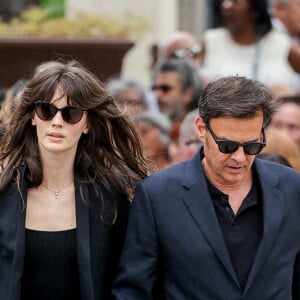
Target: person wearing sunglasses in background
<point x="224" y="224"/>
<point x="69" y="163"/>
<point x="181" y="44"/>
<point x="177" y="86"/>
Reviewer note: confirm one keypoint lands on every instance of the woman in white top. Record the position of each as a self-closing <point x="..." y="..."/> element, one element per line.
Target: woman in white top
<point x="248" y="46"/>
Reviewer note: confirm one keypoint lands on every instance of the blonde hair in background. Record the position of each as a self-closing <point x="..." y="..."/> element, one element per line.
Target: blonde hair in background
<point x="278" y="141"/>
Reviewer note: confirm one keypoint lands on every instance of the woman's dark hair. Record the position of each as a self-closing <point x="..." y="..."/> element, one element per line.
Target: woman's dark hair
<point x="263" y="21"/>
<point x="109" y="154"/>
<point x="263" y="18"/>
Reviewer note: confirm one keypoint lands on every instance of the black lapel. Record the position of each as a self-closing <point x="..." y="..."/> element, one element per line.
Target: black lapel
<point x="83" y="244"/>
<point x="273" y="202"/>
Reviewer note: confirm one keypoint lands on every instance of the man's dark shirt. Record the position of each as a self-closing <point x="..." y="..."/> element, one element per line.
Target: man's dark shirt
<point x="242" y="232"/>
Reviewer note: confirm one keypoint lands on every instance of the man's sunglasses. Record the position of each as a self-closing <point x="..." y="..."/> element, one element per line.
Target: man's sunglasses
<point x="228" y="146"/>
<point x="46" y="112"/>
<point x="183" y="52"/>
<point x="162" y="87"/>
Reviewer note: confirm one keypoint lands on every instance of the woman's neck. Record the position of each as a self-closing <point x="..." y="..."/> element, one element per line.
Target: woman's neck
<point x="245" y="38"/>
<point x="57" y="172"/>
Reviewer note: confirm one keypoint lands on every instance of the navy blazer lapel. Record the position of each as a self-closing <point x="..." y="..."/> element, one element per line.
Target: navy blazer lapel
<point x="273" y="201"/>
<point x="83" y="244"/>
<point x="199" y="204"/>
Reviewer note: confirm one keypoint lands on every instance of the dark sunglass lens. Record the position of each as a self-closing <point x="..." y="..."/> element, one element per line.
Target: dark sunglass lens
<point x="45" y="111"/>
<point x="72" y="115"/>
<point x="164" y="88"/>
<point x="253" y="148"/>
<point x="228" y="146"/>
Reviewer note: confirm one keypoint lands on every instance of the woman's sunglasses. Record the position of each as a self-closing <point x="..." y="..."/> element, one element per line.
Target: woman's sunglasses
<point x="46" y="112"/>
<point x="228" y="146"/>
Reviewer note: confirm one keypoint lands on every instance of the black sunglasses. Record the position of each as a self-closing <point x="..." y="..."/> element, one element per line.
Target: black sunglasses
<point x="162" y="87"/>
<point x="46" y="112"/>
<point x="228" y="146"/>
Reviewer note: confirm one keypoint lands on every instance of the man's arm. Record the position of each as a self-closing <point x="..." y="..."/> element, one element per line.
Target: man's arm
<point x="137" y="270"/>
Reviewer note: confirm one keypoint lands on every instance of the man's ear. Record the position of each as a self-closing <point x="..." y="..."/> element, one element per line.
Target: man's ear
<point x="201" y="128"/>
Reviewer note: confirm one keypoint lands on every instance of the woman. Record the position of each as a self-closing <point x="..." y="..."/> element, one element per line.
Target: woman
<point x="70" y="161"/>
<point x="248" y="46"/>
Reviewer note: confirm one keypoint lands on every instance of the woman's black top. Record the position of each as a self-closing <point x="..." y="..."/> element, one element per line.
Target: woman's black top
<point x="50" y="268"/>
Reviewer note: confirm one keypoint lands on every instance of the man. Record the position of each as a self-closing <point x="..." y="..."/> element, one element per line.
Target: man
<point x="177" y="87"/>
<point x="223" y="225"/>
<point x="287" y="117"/>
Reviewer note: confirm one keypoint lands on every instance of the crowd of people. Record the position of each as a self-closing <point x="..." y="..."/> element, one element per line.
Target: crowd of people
<point x="186" y="189"/>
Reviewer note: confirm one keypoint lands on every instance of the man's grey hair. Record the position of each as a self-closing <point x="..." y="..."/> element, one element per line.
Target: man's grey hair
<point x="237" y="97"/>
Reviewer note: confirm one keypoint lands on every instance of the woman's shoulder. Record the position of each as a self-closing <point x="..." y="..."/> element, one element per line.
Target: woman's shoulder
<point x="277" y="38"/>
<point x="216" y="34"/>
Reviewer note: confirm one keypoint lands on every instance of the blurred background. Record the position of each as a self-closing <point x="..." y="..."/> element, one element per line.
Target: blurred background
<point x="158" y="20"/>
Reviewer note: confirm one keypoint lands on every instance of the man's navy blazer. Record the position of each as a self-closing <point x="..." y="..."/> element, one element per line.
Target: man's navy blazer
<point x="174" y="240"/>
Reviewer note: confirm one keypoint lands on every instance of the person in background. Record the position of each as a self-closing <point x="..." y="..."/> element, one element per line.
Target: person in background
<point x="275" y="157"/>
<point x="222" y="225"/>
<point x="285" y="16"/>
<point x="154" y="130"/>
<point x="177" y="87"/>
<point x="69" y="164"/>
<point x="280" y="142"/>
<point x="129" y="93"/>
<point x="11" y="101"/>
<point x="248" y="46"/>
<point x="181" y="44"/>
<point x="188" y="139"/>
<point x="287" y="117"/>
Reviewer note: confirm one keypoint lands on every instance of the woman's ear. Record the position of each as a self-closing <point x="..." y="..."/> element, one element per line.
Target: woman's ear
<point x="33" y="123"/>
<point x="86" y="128"/>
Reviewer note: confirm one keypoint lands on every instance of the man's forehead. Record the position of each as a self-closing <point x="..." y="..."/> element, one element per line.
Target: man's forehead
<point x="168" y="76"/>
<point x="289" y="106"/>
